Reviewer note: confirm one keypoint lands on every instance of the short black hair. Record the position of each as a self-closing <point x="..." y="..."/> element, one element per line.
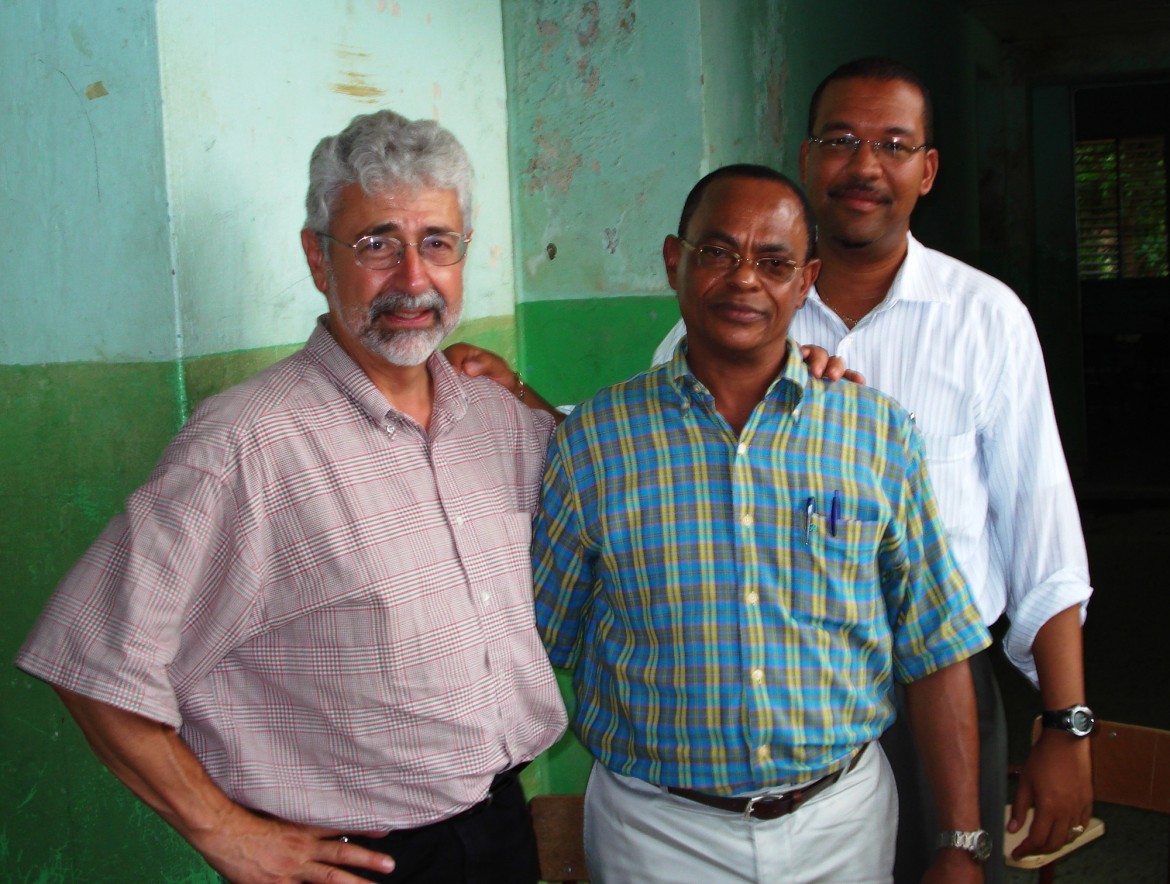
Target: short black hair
<point x="876" y="67"/>
<point x="749" y="170"/>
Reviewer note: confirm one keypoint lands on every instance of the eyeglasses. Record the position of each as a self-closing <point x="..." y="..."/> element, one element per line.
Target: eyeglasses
<point x="885" y="150"/>
<point x="380" y="252"/>
<point x="721" y="260"/>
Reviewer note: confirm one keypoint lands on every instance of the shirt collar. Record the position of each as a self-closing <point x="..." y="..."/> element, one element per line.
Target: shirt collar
<point x="450" y="395"/>
<point x="788" y="389"/>
<point x="912" y="282"/>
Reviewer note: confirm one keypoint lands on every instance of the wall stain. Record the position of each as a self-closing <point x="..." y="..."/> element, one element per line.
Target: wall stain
<point x="590" y="28"/>
<point x="79" y="40"/>
<point x="96" y="90"/>
<point x="356" y="84"/>
<point x="551" y="33"/>
<point x="555" y="163"/>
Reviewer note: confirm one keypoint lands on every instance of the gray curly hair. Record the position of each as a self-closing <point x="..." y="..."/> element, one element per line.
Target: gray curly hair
<point x="383" y="151"/>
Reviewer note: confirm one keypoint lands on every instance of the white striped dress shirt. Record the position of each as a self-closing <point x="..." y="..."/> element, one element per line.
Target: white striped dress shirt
<point x="958" y="349"/>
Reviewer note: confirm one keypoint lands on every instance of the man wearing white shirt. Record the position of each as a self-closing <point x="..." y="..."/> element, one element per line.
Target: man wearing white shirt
<point x="958" y="349"/>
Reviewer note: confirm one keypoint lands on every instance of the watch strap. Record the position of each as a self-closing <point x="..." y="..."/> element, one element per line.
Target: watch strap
<point x="976" y="843"/>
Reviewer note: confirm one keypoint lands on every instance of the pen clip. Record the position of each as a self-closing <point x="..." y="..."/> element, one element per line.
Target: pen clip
<point x="810" y="507"/>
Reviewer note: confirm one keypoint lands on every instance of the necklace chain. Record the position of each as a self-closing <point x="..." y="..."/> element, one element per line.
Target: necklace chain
<point x="848" y="320"/>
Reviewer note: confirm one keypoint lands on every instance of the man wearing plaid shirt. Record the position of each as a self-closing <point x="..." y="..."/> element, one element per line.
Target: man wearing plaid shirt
<point x="308" y="642"/>
<point x="740" y="561"/>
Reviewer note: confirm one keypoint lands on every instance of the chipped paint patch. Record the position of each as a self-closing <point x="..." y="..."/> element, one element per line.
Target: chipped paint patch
<point x="590" y="28"/>
<point x="551" y="32"/>
<point x="554" y="165"/>
<point x="95" y="90"/>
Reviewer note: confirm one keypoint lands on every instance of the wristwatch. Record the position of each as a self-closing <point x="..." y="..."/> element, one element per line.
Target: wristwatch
<point x="977" y="843"/>
<point x="1077" y="720"/>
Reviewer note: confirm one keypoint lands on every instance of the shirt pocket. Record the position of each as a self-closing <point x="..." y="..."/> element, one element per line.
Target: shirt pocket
<point x="953" y="464"/>
<point x="835" y="581"/>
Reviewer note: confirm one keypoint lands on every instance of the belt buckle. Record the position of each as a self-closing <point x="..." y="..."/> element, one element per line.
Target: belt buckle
<point x="764" y="802"/>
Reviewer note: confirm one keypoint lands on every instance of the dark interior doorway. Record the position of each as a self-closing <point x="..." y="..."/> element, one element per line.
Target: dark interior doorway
<point x="1123" y="146"/>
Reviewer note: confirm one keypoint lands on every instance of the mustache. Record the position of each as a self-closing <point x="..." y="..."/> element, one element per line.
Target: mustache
<point x="859" y="188"/>
<point x="390" y="302"/>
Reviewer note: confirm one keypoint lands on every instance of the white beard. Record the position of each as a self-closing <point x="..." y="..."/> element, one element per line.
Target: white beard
<point x="402" y="347"/>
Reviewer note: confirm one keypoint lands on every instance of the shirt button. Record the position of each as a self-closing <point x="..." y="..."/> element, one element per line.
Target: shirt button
<point x="758" y="678"/>
<point x="746" y="520"/>
<point x="487" y="597"/>
<point x="459" y="520"/>
<point x="752" y="598"/>
<point x="742" y="449"/>
<point x="763" y="753"/>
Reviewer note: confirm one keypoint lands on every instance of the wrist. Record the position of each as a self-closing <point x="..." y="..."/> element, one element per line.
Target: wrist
<point x="1076" y="720"/>
<point x="975" y="843"/>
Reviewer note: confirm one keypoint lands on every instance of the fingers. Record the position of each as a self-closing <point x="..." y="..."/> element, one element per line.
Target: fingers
<point x="830" y="368"/>
<point x="1020" y="807"/>
<point x="816" y="358"/>
<point x="334" y="856"/>
<point x="1049" y="832"/>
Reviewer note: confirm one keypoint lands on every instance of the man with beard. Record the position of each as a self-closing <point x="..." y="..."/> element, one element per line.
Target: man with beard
<point x="958" y="350"/>
<point x="308" y="642"/>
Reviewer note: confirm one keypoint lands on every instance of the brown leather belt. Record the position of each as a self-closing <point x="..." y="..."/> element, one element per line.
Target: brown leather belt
<point x="767" y="807"/>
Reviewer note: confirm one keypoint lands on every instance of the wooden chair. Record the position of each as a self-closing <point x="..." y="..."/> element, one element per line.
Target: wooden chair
<point x="1131" y="767"/>
<point x="560" y="845"/>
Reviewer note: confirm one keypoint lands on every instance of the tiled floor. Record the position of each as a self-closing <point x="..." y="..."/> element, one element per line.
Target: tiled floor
<point x="1127" y="658"/>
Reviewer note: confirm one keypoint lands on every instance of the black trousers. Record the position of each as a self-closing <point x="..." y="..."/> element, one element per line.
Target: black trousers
<point x="917" y="821"/>
<point x="492" y="843"/>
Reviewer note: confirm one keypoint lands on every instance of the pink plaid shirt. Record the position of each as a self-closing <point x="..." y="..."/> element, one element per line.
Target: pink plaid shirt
<point x="333" y="606"/>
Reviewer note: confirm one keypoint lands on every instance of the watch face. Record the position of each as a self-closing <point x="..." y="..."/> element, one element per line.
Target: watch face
<point x="982" y="850"/>
<point x="1081" y="722"/>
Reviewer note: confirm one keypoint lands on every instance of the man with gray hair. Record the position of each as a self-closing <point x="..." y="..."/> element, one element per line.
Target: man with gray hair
<point x="308" y="642"/>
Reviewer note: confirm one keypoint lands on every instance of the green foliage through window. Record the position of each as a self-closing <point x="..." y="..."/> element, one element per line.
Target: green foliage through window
<point x="1121" y="208"/>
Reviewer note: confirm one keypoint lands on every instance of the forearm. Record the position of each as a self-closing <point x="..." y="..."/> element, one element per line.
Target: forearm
<point x="1057" y="778"/>
<point x="1060" y="668"/>
<point x="153" y="762"/>
<point x="943" y="718"/>
<point x="158" y="767"/>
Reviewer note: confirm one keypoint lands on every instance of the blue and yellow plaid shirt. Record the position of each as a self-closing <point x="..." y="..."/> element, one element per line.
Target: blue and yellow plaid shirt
<point x="728" y="631"/>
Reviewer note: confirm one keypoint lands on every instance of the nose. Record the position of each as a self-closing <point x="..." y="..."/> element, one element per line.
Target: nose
<point x="745" y="273"/>
<point x="865" y="159"/>
<point x="412" y="271"/>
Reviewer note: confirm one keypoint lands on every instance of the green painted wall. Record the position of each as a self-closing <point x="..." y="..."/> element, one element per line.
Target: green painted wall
<point x="76" y="437"/>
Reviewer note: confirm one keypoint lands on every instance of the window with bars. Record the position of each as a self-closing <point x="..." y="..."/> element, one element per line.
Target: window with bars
<point x="1121" y="208"/>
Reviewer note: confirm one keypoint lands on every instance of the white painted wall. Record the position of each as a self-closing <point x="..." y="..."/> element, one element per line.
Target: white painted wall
<point x="250" y="87"/>
<point x="155" y="160"/>
<point x="83" y="234"/>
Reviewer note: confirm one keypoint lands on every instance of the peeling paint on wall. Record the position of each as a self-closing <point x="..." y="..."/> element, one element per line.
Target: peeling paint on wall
<point x="95" y="90"/>
<point x="555" y="163"/>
